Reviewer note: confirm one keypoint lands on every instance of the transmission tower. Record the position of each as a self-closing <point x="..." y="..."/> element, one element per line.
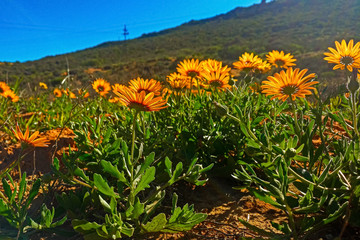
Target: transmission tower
<point x="125" y="32"/>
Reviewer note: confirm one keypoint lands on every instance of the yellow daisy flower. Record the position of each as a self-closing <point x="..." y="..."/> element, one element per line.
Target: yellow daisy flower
<point x="43" y="85"/>
<point x="290" y="83"/>
<point x="280" y="60"/>
<point x="140" y="101"/>
<point x="28" y="140"/>
<point x="190" y="68"/>
<point x="101" y="86"/>
<point x="139" y="85"/>
<point x="9" y="94"/>
<point x="3" y="87"/>
<point x="248" y="62"/>
<point x="345" y="55"/>
<point x="57" y="92"/>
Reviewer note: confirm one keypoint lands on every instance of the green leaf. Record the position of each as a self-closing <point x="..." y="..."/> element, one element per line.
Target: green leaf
<point x="277" y="149"/>
<point x="265" y="198"/>
<point x="105" y="204"/>
<point x="138" y="209"/>
<point x="258" y="230"/>
<point x="84" y="226"/>
<point x="113" y="170"/>
<point x="244" y="129"/>
<point x="253" y="144"/>
<point x="147" y="178"/>
<point x="157" y="224"/>
<point x="56" y="164"/>
<point x="168" y="165"/>
<point x="146" y="164"/>
<point x="177" y="172"/>
<point x="22" y="187"/>
<point x="32" y="194"/>
<point x="301" y="158"/>
<point x="80" y="173"/>
<point x="7" y="188"/>
<point x="103" y="187"/>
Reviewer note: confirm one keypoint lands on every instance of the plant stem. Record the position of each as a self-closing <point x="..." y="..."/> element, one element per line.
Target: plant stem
<point x="293" y="108"/>
<point x="131" y="195"/>
<point x="347" y="215"/>
<point x="354" y="112"/>
<point x="291" y="221"/>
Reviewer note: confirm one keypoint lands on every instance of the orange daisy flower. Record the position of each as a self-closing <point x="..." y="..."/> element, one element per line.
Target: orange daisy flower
<point x="211" y="65"/>
<point x="248" y="62"/>
<point x="69" y="93"/>
<point x="57" y="92"/>
<point x="101" y="86"/>
<point x="114" y="100"/>
<point x="290" y="83"/>
<point x="217" y="80"/>
<point x="178" y="83"/>
<point x="345" y="55"/>
<point x="9" y="94"/>
<point x="30" y="141"/>
<point x="43" y="85"/>
<point x="190" y="68"/>
<point x="264" y="67"/>
<point x="139" y="84"/>
<point x="117" y="87"/>
<point x="141" y="101"/>
<point x="3" y="87"/>
<point x="83" y="93"/>
<point x="280" y="60"/>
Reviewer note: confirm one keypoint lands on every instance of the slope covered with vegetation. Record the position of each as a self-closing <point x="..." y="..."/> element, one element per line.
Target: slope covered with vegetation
<point x="303" y="27"/>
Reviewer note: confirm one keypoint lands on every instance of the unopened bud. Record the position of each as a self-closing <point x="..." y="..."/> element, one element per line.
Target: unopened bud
<point x="220" y="109"/>
<point x="290" y="153"/>
<point x="352" y="85"/>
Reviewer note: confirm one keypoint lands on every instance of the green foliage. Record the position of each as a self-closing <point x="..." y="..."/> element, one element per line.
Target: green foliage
<point x="123" y="189"/>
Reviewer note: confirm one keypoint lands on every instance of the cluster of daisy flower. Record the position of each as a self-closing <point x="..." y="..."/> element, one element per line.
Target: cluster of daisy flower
<point x="289" y="83"/>
<point x="141" y="94"/>
<point x="6" y="92"/>
<point x="195" y="75"/>
<point x="81" y="93"/>
<point x="253" y="63"/>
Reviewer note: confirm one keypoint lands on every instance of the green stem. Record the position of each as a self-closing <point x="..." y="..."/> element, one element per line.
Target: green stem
<point x="291" y="221"/>
<point x="347" y="215"/>
<point x="293" y="108"/>
<point x="143" y="125"/>
<point x="132" y="185"/>
<point x="354" y="112"/>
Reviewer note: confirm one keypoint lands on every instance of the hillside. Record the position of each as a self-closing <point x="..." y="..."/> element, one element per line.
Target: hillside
<point x="303" y="27"/>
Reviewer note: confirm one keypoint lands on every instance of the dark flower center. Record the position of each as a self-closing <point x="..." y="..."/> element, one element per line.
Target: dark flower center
<point x="279" y="63"/>
<point x="289" y="89"/>
<point x="347" y="60"/>
<point x="138" y="106"/>
<point x="216" y="83"/>
<point x="192" y="74"/>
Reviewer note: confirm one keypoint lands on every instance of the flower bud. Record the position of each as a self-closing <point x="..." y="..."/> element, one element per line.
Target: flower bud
<point x="220" y="109"/>
<point x="352" y="85"/>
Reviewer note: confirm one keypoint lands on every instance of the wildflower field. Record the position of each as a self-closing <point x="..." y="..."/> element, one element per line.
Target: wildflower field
<point x="112" y="161"/>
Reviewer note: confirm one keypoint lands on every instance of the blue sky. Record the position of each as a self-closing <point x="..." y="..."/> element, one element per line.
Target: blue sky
<point x="32" y="29"/>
